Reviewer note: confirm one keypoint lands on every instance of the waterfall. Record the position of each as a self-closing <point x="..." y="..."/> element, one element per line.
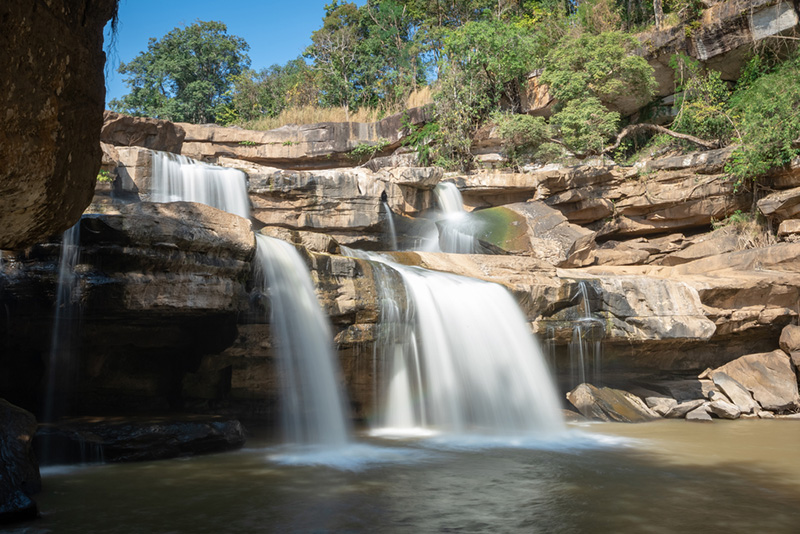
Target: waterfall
<point x="586" y="347"/>
<point x="178" y="178"/>
<point x="390" y="223"/>
<point x="313" y="407"/>
<point x="456" y="230"/>
<point x="464" y="361"/>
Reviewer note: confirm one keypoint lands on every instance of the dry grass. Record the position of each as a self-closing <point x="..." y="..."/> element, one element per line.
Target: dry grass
<point x="314" y="114"/>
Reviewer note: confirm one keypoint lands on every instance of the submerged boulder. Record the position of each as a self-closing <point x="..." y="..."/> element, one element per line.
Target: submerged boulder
<point x="606" y="404"/>
<point x="19" y="471"/>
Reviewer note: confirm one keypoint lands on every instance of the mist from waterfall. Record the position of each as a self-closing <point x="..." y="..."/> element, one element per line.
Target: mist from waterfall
<point x="179" y="178"/>
<point x="312" y="405"/>
<point x="459" y="358"/>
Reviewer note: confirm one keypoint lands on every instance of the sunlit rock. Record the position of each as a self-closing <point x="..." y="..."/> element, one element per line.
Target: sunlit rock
<point x="606" y="404"/>
<point x="769" y="377"/>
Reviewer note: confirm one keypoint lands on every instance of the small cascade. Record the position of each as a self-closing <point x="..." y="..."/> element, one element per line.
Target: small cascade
<point x="456" y="232"/>
<point x="390" y="224"/>
<point x="178" y="178"/>
<point x="62" y="367"/>
<point x="586" y="346"/>
<point x="313" y="408"/>
<point x="460" y="358"/>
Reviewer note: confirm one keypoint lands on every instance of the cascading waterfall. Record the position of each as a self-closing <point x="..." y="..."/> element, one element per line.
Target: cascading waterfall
<point x="586" y="346"/>
<point x="465" y="361"/>
<point x="313" y="407"/>
<point x="178" y="178"/>
<point x="61" y="367"/>
<point x="456" y="234"/>
<point x="390" y="223"/>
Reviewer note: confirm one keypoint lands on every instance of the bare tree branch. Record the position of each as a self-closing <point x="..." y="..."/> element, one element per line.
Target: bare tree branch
<point x="634" y="129"/>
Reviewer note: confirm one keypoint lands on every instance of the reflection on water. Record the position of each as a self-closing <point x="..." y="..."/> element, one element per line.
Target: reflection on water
<point x="666" y="477"/>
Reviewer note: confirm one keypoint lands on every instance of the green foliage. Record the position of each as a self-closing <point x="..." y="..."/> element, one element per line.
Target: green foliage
<point x="737" y="218"/>
<point x="185" y="76"/>
<point x="366" y="151"/>
<point x="702" y="102"/>
<point x="499" y="53"/>
<point x="104" y="176"/>
<point x="586" y="73"/>
<point x="586" y="124"/>
<point x="422" y="138"/>
<point x="522" y="135"/>
<point x="768" y="111"/>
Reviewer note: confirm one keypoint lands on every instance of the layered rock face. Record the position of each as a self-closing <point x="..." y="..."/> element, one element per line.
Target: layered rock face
<point x="52" y="94"/>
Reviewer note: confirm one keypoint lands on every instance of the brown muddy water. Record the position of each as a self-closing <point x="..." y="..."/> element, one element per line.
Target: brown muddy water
<point x="665" y="477"/>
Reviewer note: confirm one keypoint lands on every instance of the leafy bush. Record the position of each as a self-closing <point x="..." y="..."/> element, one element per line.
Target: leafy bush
<point x="768" y="111"/>
<point x="522" y="135"/>
<point x="702" y="102"/>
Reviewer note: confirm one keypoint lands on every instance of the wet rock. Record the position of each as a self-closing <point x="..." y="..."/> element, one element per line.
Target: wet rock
<point x="724" y="409"/>
<point x="606" y="404"/>
<point x="699" y="414"/>
<point x="133" y="440"/>
<point x="52" y="94"/>
<point x="684" y="408"/>
<point x="535" y="229"/>
<point x="769" y="377"/>
<point x="19" y="470"/>
<point x="736" y="392"/>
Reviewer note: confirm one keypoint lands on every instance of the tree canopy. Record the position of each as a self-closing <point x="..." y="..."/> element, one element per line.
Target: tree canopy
<point x="186" y="75"/>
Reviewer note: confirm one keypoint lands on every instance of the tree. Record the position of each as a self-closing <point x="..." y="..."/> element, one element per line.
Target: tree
<point x="186" y="76"/>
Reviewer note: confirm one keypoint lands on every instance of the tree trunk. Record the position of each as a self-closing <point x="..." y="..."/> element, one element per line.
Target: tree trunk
<point x="659" y="10"/>
<point x="641" y="128"/>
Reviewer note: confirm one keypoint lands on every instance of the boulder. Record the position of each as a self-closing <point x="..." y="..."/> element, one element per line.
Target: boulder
<point x="52" y="93"/>
<point x="19" y="470"/>
<point x="156" y="134"/>
<point x="769" y="377"/>
<point x="606" y="404"/>
<point x="686" y="390"/>
<point x="661" y="405"/>
<point x="535" y="229"/>
<point x="724" y="409"/>
<point x="133" y="440"/>
<point x="781" y="205"/>
<point x="736" y="392"/>
<point x="789" y="230"/>
<point x="700" y="414"/>
<point x="684" y="408"/>
<point x="790" y="339"/>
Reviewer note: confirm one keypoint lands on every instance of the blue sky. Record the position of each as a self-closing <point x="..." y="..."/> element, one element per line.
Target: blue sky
<point x="276" y="31"/>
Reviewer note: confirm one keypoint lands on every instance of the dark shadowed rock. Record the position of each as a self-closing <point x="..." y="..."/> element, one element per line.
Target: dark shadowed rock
<point x="606" y="404"/>
<point x="132" y="440"/>
<point x="52" y="95"/>
<point x="19" y="471"/>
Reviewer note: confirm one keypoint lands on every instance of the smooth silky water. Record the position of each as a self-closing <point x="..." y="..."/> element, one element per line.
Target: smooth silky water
<point x="664" y="477"/>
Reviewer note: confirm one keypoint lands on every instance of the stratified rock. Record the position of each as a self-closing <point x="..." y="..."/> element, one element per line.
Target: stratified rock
<point x="719" y="242"/>
<point x="789" y="230"/>
<point x="133" y="440"/>
<point x="781" y="204"/>
<point x="684" y="408"/>
<point x="699" y="414"/>
<point x="313" y="241"/>
<point x="145" y="132"/>
<point x="325" y="145"/>
<point x="535" y="229"/>
<point x="736" y="392"/>
<point x="724" y="409"/>
<point x="52" y="94"/>
<point x="606" y="404"/>
<point x="769" y="377"/>
<point x="790" y="338"/>
<point x="19" y="471"/>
